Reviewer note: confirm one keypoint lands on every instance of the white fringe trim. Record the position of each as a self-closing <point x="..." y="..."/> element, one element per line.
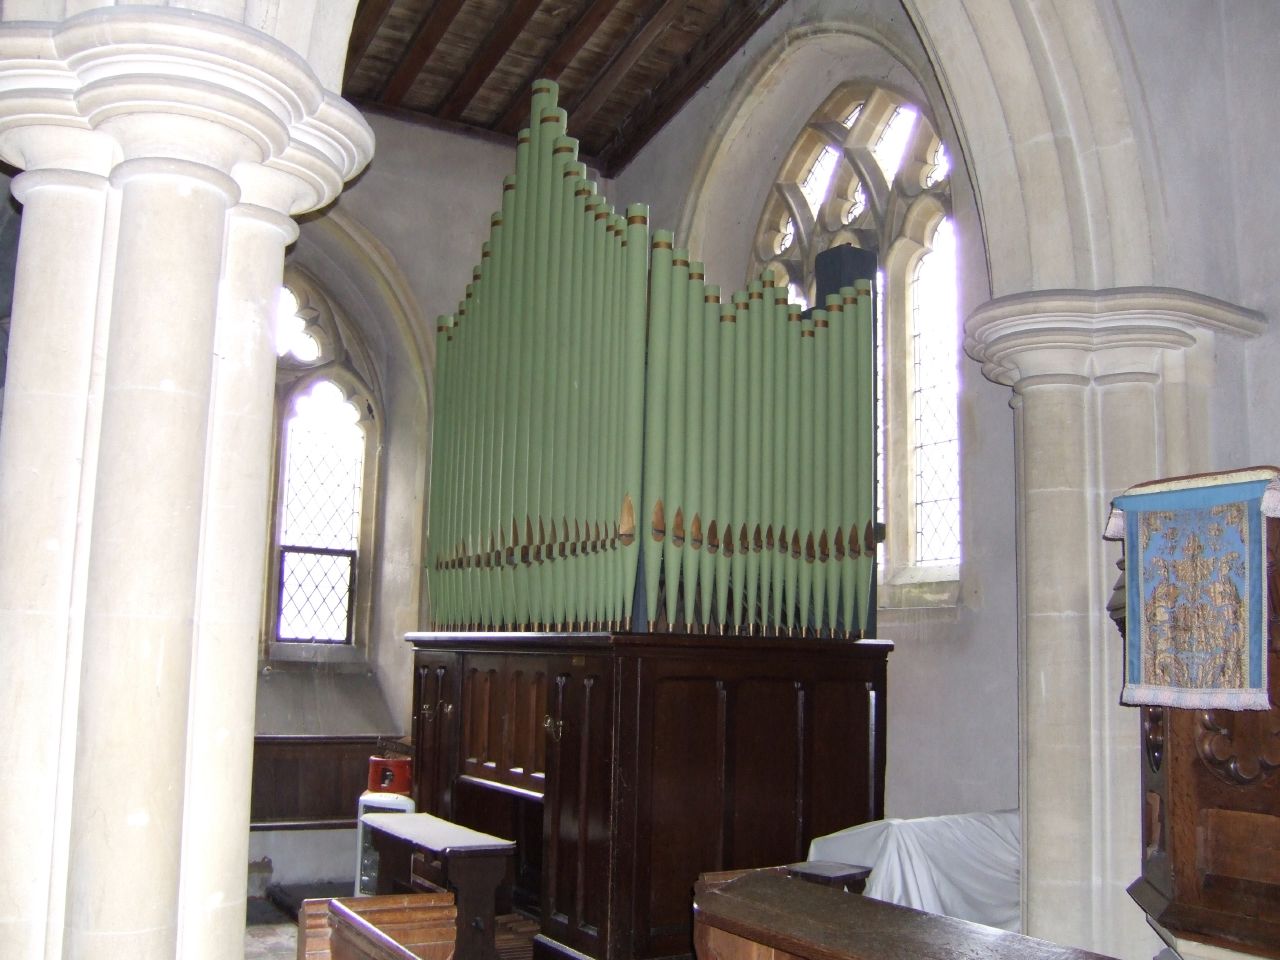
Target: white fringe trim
<point x="1114" y="529"/>
<point x="1147" y="695"/>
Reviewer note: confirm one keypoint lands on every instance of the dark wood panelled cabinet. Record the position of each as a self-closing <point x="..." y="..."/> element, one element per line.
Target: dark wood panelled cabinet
<point x="626" y="765"/>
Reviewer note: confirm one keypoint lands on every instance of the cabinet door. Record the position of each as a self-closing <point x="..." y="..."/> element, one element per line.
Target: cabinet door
<point x="503" y="741"/>
<point x="577" y="842"/>
<point x="733" y="761"/>
<point x="435" y="730"/>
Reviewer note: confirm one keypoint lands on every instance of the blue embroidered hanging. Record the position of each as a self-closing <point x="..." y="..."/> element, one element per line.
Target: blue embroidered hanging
<point x="1196" y="590"/>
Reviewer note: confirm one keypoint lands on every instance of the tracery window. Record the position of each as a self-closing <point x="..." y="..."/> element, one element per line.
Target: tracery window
<point x="870" y="170"/>
<point x="327" y="442"/>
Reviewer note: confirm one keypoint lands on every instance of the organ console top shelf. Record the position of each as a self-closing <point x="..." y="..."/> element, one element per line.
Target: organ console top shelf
<point x="625" y="765"/>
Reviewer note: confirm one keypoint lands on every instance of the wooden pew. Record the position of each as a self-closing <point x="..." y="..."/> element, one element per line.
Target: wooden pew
<point x="770" y="915"/>
<point x="419" y="852"/>
<point x="421" y="926"/>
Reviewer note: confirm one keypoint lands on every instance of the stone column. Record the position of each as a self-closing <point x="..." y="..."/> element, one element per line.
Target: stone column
<point x="46" y="466"/>
<point x="1098" y="379"/>
<point x="141" y="586"/>
<point x="234" y="545"/>
<point x="165" y="150"/>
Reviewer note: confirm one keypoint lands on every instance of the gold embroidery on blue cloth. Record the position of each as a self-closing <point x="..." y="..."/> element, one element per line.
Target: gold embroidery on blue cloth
<point x="1195" y="590"/>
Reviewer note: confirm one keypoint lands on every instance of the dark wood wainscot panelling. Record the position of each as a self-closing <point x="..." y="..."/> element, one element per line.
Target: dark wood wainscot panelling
<point x="308" y="782"/>
<point x="634" y="763"/>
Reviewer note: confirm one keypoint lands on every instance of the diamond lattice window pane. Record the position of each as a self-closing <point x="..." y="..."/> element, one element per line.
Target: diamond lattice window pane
<point x="935" y="445"/>
<point x="324" y="471"/>
<point x="315" y="596"/>
<point x="320" y="525"/>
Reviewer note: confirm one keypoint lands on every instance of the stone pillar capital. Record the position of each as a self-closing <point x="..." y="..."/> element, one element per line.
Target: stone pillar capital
<point x="124" y="83"/>
<point x="1095" y="335"/>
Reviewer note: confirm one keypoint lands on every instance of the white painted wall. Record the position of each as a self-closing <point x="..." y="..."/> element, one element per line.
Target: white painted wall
<point x="1247" y="168"/>
<point x="427" y="195"/>
<point x="305" y="856"/>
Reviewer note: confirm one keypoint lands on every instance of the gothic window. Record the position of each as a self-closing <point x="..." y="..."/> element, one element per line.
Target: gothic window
<point x="869" y="170"/>
<point x="327" y="442"/>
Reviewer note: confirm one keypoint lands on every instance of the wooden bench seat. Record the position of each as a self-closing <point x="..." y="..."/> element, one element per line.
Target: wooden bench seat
<point x="418" y="852"/>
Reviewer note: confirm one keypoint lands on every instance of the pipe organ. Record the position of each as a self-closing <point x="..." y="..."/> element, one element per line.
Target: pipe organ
<point x="620" y="446"/>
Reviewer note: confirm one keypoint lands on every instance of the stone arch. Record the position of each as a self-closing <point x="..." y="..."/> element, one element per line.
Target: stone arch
<point x="766" y="111"/>
<point x="1035" y="102"/>
<point x="1041" y="113"/>
<point x="364" y="277"/>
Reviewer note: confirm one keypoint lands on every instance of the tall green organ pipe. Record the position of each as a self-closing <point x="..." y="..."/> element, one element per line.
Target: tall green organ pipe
<point x="619" y="445"/>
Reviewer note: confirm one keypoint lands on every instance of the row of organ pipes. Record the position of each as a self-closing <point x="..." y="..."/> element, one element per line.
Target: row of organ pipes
<point x="617" y="446"/>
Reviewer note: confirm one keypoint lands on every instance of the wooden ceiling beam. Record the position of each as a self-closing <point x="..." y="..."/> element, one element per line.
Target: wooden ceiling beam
<point x="598" y="90"/>
<point x="700" y="64"/>
<point x="369" y="17"/>
<point x="492" y="50"/>
<point x="568" y="47"/>
<point x="423" y="44"/>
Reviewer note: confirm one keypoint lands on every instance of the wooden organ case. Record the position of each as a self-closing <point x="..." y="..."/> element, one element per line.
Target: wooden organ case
<point x="627" y="764"/>
<point x="1211" y="811"/>
<point x="651" y="564"/>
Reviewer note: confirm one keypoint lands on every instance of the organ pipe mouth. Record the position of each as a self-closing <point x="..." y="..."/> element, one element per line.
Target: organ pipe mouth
<point x="627" y="522"/>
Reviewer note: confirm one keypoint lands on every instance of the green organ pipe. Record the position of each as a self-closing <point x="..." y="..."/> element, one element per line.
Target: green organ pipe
<point x="607" y="426"/>
<point x="705" y="518"/>
<point x="695" y="292"/>
<point x="721" y="539"/>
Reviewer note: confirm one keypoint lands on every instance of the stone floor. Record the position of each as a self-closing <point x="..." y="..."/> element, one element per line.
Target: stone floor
<point x="271" y="941"/>
<point x="271" y="934"/>
<point x="271" y="931"/>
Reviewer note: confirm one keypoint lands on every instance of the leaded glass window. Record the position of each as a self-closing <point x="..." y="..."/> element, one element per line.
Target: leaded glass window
<point x="935" y="454"/>
<point x="814" y="185"/>
<point x="323" y="487"/>
<point x="892" y="143"/>
<point x="324" y="469"/>
<point x="785" y="235"/>
<point x="870" y="170"/>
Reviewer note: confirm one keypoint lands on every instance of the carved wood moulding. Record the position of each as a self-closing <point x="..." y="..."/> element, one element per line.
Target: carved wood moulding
<point x="1239" y="747"/>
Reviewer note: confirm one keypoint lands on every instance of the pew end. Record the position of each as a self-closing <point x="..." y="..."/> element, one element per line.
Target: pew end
<point x="419" y="926"/>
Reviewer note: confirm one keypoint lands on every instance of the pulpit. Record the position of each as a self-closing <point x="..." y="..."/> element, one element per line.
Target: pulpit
<point x="1211" y="811"/>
